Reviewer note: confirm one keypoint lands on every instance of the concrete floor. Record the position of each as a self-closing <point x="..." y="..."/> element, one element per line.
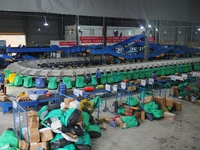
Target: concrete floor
<point x="181" y="134"/>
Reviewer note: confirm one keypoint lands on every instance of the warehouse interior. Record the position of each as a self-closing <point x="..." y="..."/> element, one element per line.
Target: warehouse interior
<point x="94" y="75"/>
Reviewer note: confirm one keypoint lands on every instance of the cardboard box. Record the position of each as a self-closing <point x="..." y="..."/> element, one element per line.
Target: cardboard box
<point x="131" y="88"/>
<point x="178" y="106"/>
<point x="2" y="94"/>
<point x="41" y="145"/>
<point x="148" y="99"/>
<point x="44" y="145"/>
<point x="33" y="120"/>
<point x="175" y="91"/>
<point x="67" y="101"/>
<point x="46" y="134"/>
<point x="164" y="108"/>
<point x="34" y="135"/>
<point x="118" y="121"/>
<point x="159" y="100"/>
<point x="197" y="102"/>
<point x="169" y="116"/>
<point x="137" y="114"/>
<point x="4" y="98"/>
<point x="169" y="102"/>
<point x="23" y="145"/>
<point x="143" y="115"/>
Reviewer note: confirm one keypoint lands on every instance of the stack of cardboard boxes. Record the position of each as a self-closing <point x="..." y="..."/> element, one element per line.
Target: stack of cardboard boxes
<point x="168" y="102"/>
<point x="37" y="138"/>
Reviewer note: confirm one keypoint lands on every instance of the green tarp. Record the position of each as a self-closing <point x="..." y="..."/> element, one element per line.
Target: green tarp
<point x="80" y="82"/>
<point x="18" y="80"/>
<point x="28" y="82"/>
<point x="52" y="84"/>
<point x="67" y="82"/>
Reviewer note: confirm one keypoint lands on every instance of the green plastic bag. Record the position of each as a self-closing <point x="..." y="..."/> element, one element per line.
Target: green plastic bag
<point x="117" y="77"/>
<point x="150" y="107"/>
<point x="148" y="73"/>
<point x="121" y="111"/>
<point x="84" y="140"/>
<point x="28" y="82"/>
<point x="67" y="82"/>
<point x="158" y="113"/>
<point x="94" y="131"/>
<point x="123" y="76"/>
<point x="80" y="82"/>
<point x="52" y="84"/>
<point x="70" y="117"/>
<point x="9" y="138"/>
<point x="97" y="101"/>
<point x="44" y="108"/>
<point x="110" y="78"/>
<point x="163" y="73"/>
<point x="142" y="74"/>
<point x="181" y="86"/>
<point x="7" y="73"/>
<point x="57" y="113"/>
<point x="130" y="121"/>
<point x="158" y="71"/>
<point x="68" y="147"/>
<point x="133" y="101"/>
<point x="129" y="75"/>
<point x="93" y="80"/>
<point x="86" y="118"/>
<point x="18" y="80"/>
<point x="103" y="79"/>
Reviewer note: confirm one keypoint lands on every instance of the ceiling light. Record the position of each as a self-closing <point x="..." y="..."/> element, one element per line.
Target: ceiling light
<point x="198" y="29"/>
<point x="149" y="26"/>
<point x="179" y="32"/>
<point x="38" y="29"/>
<point x="141" y="27"/>
<point x="45" y="22"/>
<point x="157" y="29"/>
<point x="165" y="32"/>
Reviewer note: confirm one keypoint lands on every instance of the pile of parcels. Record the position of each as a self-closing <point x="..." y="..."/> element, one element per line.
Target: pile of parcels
<point x="33" y="95"/>
<point x="68" y="125"/>
<point x="4" y="97"/>
<point x="187" y="91"/>
<point x="155" y="107"/>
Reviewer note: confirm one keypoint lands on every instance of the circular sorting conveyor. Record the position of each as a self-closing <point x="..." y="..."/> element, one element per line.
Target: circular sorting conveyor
<point x="31" y="68"/>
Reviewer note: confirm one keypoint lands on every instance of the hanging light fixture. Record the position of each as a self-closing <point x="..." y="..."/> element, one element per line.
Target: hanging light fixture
<point x="45" y="22"/>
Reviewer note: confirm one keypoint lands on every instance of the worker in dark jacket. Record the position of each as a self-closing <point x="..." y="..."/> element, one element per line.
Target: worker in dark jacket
<point x="98" y="76"/>
<point x="154" y="77"/>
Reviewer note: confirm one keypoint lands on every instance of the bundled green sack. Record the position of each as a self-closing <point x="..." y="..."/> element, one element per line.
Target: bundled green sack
<point x="70" y="117"/>
<point x="18" y="80"/>
<point x="123" y="76"/>
<point x="110" y="78"/>
<point x="117" y="77"/>
<point x="42" y="112"/>
<point x="68" y="147"/>
<point x="94" y="131"/>
<point x="135" y="75"/>
<point x="28" y="82"/>
<point x="129" y="75"/>
<point x="86" y="118"/>
<point x="103" y="79"/>
<point x="152" y="107"/>
<point x="84" y="142"/>
<point x="59" y="142"/>
<point x="67" y="82"/>
<point x="130" y="121"/>
<point x="97" y="101"/>
<point x="9" y="137"/>
<point x="133" y="101"/>
<point x="93" y="80"/>
<point x="52" y="84"/>
<point x="80" y="82"/>
<point x="121" y="111"/>
<point x="57" y="113"/>
<point x="158" y="113"/>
